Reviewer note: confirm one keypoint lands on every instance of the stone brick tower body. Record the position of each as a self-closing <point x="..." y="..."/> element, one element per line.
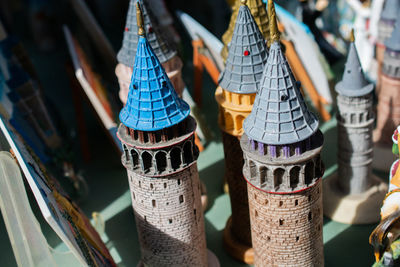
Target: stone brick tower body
<point x="388" y="109"/>
<point x="239" y="82"/>
<point x="259" y="12"/>
<point x="353" y="194"/>
<point x="283" y="168"/>
<point x="386" y="23"/>
<point x="163" y="48"/>
<point x="157" y="135"/>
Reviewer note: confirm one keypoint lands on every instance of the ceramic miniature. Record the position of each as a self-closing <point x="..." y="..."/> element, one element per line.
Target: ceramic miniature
<point x="165" y="51"/>
<point x="259" y="12"/>
<point x="157" y="135"/>
<point x="353" y="194"/>
<point x="235" y="95"/>
<point x="386" y="23"/>
<point x="283" y="168"/>
<point x="388" y="108"/>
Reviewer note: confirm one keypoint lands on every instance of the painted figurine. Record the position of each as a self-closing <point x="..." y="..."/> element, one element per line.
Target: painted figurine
<point x="283" y="168"/>
<point x="386" y="236"/>
<point x="239" y="83"/>
<point x="157" y="135"/>
<point x="164" y="50"/>
<point x="388" y="109"/>
<point x="353" y="194"/>
<point x="259" y="12"/>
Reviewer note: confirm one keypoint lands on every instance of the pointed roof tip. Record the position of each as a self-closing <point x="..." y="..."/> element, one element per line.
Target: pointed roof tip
<point x="247" y="56"/>
<point x="139" y="19"/>
<point x="352" y="38"/>
<point x="273" y="22"/>
<point x="152" y="102"/>
<point x="354" y="82"/>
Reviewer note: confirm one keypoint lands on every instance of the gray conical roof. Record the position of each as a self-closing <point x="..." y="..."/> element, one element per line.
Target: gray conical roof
<point x="390" y="10"/>
<point x="393" y="42"/>
<point x="279" y="114"/>
<point x="248" y="53"/>
<point x="353" y="83"/>
<point x="162" y="48"/>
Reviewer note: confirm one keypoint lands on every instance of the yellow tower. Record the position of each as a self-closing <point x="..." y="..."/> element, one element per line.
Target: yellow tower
<point x="239" y="83"/>
<point x="260" y="15"/>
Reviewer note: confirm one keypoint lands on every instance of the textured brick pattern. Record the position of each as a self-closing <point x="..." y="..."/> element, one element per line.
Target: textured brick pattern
<point x="169" y="218"/>
<point x="287" y="229"/>
<point x="237" y="189"/>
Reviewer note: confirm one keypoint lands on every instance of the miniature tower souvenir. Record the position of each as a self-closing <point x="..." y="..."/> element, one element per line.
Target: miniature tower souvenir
<point x="259" y="12"/>
<point x="386" y="23"/>
<point x="164" y="50"/>
<point x="283" y="168"/>
<point x="157" y="134"/>
<point x="239" y="83"/>
<point x="353" y="195"/>
<point x="388" y="109"/>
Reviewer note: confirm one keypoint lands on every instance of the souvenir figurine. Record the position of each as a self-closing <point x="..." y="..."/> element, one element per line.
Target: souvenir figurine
<point x="283" y="168"/>
<point x="353" y="194"/>
<point x="157" y="135"/>
<point x="239" y="83"/>
<point x="388" y="108"/>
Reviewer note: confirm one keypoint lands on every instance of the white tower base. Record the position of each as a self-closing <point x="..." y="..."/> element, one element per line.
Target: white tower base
<point x="353" y="209"/>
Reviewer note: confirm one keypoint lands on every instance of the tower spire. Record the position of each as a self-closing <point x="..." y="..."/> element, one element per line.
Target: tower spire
<point x="353" y="83"/>
<point x="280" y="115"/>
<point x="248" y="54"/>
<point x="152" y="102"/>
<point x="273" y="23"/>
<point x="157" y="39"/>
<point x="139" y="19"/>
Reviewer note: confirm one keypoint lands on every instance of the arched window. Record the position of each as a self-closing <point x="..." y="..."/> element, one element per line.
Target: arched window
<point x="294" y="176"/>
<point x="239" y="122"/>
<point x="161" y="161"/>
<point x="126" y="153"/>
<point x="228" y="121"/>
<point x="175" y="156"/>
<point x="135" y="158"/>
<point x="278" y="177"/>
<point x="187" y="153"/>
<point x="263" y="175"/>
<point x="147" y="161"/>
<point x="309" y="172"/>
<point x="253" y="170"/>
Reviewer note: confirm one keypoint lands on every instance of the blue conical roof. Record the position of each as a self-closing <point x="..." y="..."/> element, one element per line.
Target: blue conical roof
<point x="280" y="115"/>
<point x="353" y="83"/>
<point x="152" y="101"/>
<point x="247" y="56"/>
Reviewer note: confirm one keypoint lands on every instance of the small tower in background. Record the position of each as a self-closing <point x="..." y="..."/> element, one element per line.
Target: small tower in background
<point x="239" y="83"/>
<point x="388" y="109"/>
<point x="164" y="50"/>
<point x="157" y="135"/>
<point x="259" y="12"/>
<point x="283" y="168"/>
<point x="389" y="15"/>
<point x="354" y="194"/>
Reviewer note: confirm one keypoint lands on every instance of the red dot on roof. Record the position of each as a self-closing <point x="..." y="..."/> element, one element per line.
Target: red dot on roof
<point x="246" y="53"/>
<point x="127" y="29"/>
